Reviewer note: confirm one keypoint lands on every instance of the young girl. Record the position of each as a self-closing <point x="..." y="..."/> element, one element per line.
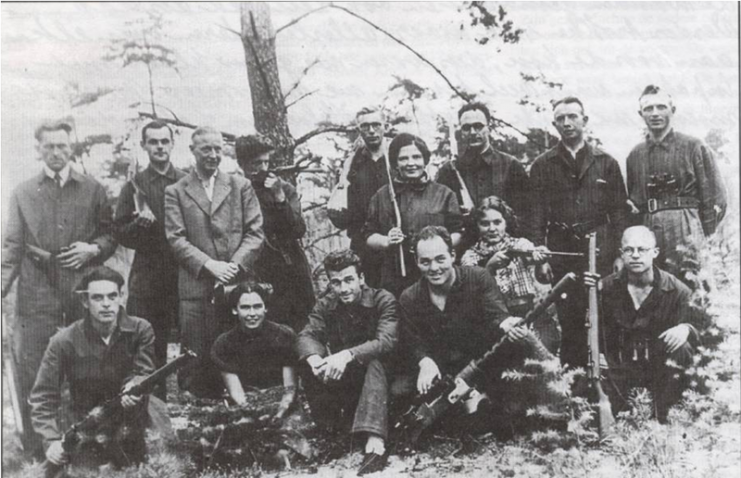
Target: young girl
<point x="496" y="226"/>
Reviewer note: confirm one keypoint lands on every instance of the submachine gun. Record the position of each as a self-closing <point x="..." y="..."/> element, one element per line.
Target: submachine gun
<point x="447" y="391"/>
<point x="109" y="410"/>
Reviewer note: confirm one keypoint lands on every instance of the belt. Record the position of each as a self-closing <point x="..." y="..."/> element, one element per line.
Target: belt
<point x="678" y="202"/>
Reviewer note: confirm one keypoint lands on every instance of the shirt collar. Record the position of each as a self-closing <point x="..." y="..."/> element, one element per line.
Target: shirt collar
<point x="124" y="324"/>
<point x="661" y="280"/>
<point x="664" y="143"/>
<point x="64" y="173"/>
<point x="169" y="172"/>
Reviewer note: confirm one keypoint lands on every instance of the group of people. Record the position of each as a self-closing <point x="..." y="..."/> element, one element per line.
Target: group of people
<point x="426" y="286"/>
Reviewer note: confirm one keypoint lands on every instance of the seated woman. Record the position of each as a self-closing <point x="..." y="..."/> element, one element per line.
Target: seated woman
<point x="496" y="225"/>
<point x="422" y="202"/>
<point x="256" y="353"/>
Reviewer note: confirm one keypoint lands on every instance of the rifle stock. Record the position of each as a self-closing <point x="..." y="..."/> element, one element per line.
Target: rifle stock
<point x="605" y="419"/>
<point x="397" y="215"/>
<point x="105" y="411"/>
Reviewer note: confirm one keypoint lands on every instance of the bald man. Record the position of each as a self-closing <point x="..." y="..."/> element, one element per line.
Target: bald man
<point x="647" y="318"/>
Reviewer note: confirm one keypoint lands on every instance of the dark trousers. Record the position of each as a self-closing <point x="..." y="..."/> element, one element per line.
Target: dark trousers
<point x="666" y="383"/>
<point x="161" y="312"/>
<point x="362" y="394"/>
<point x="199" y="328"/>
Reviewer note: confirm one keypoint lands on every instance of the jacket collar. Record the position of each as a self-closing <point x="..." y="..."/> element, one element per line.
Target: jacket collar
<point x="222" y="188"/>
<point x="73" y="175"/>
<point x="665" y="143"/>
<point x="587" y="155"/>
<point x="124" y="325"/>
<point x="170" y="173"/>
<point x="662" y="280"/>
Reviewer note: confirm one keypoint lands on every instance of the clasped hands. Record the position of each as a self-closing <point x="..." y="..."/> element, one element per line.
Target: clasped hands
<point x="77" y="254"/>
<point x="222" y="271"/>
<point x="330" y="368"/>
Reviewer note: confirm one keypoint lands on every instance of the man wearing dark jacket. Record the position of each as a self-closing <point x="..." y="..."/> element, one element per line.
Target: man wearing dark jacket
<point x="282" y="261"/>
<point x="140" y="225"/>
<point x="342" y="352"/>
<point x="577" y="189"/>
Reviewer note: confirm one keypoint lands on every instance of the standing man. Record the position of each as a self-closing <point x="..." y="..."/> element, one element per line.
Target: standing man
<point x="647" y="320"/>
<point x="485" y="171"/>
<point x="59" y="225"/>
<point x="578" y="189"/>
<point x="282" y="262"/>
<point x="140" y="225"/>
<point x="367" y="173"/>
<point x="214" y="226"/>
<point x="675" y="185"/>
<point x="343" y="353"/>
<point x="100" y="354"/>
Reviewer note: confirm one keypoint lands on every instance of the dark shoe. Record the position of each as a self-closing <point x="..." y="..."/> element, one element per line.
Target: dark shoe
<point x="372" y="463"/>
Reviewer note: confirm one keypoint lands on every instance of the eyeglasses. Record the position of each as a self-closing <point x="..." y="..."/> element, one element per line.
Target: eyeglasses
<point x="629" y="251"/>
<point x="366" y="127"/>
<point x="476" y="127"/>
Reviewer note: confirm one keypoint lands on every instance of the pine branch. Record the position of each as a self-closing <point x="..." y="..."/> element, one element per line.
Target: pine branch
<point x="305" y="95"/>
<point x="322" y="130"/>
<point x="299" y="18"/>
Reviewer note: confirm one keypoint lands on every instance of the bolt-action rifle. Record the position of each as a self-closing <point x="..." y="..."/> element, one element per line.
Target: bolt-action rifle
<point x="448" y="391"/>
<point x="597" y="396"/>
<point x="109" y="410"/>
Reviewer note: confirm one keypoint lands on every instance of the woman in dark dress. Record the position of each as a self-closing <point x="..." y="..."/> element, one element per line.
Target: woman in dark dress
<point x="256" y="353"/>
<point x="422" y="202"/>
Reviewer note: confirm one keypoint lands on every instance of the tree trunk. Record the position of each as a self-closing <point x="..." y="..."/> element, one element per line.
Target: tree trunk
<point x="268" y="104"/>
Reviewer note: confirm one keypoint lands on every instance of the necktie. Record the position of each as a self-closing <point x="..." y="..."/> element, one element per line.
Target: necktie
<point x="58" y="180"/>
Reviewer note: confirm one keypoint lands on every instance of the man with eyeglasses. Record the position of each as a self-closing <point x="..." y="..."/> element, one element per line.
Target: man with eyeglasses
<point x="648" y="325"/>
<point x="485" y="171"/>
<point x="99" y="355"/>
<point x="577" y="189"/>
<point x="367" y="173"/>
<point x="140" y="225"/>
<point x="675" y="184"/>
<point x="58" y="227"/>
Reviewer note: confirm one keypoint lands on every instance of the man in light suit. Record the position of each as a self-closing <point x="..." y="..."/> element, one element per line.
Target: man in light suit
<point x="213" y="224"/>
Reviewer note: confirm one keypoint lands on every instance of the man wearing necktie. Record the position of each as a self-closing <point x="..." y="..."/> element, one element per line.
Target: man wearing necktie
<point x="59" y="226"/>
<point x="213" y="224"/>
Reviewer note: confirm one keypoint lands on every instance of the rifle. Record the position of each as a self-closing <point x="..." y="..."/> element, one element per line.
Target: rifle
<point x="467" y="204"/>
<point x="605" y="419"/>
<point x="109" y="410"/>
<point x="11" y="378"/>
<point x="397" y="214"/>
<point x="446" y="392"/>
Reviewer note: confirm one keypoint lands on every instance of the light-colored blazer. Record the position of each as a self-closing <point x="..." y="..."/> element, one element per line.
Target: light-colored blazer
<point x="228" y="228"/>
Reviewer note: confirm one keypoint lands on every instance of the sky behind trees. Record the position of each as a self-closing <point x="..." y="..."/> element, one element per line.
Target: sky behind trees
<point x="605" y="53"/>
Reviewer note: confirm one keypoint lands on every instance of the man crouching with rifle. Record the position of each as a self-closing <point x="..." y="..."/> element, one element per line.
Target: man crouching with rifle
<point x="452" y="316"/>
<point x="97" y="355"/>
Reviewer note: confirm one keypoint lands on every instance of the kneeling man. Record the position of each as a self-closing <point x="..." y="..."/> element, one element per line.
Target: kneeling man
<point x="100" y="355"/>
<point x="342" y="352"/>
<point x="648" y="324"/>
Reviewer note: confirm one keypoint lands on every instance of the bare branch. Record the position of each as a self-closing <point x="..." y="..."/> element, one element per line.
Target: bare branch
<point x="509" y="125"/>
<point x="299" y="18"/>
<point x="230" y="30"/>
<point x="301" y="77"/>
<point x="227" y="136"/>
<point x="458" y="92"/>
<point x="322" y="130"/>
<point x="301" y="98"/>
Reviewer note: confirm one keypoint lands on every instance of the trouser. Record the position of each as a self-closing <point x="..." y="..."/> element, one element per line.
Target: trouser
<point x="161" y="312"/>
<point x="199" y="328"/>
<point x="666" y="383"/>
<point x="362" y="394"/>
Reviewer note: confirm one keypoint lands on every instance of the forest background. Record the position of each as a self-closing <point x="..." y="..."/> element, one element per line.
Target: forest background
<point x="106" y="64"/>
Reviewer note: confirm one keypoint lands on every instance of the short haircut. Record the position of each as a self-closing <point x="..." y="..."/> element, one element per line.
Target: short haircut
<point x="475" y="106"/>
<point x="251" y="146"/>
<point x="99" y="273"/>
<point x="340" y="260"/>
<point x="406" y="139"/>
<point x="52" y="125"/>
<point x="431" y="232"/>
<point x="494" y="203"/>
<point x="263" y="289"/>
<point x="642" y="229"/>
<point x="203" y="130"/>
<point x="569" y="99"/>
<point x="156" y="124"/>
<point x="367" y="110"/>
<point x="654" y="90"/>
